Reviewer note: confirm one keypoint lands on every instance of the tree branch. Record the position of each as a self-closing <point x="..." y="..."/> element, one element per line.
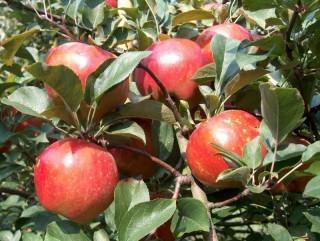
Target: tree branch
<point x="4" y="190"/>
<point x="241" y="195"/>
<point x="166" y="95"/>
<point x="181" y="180"/>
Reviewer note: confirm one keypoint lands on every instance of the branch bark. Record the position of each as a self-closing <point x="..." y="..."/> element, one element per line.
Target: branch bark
<point x="241" y="195"/>
<point x="4" y="190"/>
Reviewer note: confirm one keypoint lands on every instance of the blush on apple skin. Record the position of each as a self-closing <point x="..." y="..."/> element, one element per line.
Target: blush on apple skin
<point x="134" y="164"/>
<point x="229" y="30"/>
<point x="231" y="130"/>
<point x="112" y="3"/>
<point x="76" y="179"/>
<point x="174" y="62"/>
<point x="84" y="59"/>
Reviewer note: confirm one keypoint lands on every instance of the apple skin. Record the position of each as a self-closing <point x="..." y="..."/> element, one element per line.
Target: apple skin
<point x="84" y="59"/>
<point x="36" y="122"/>
<point x="112" y="3"/>
<point x="230" y="129"/>
<point x="76" y="179"/>
<point x="174" y="61"/>
<point x="229" y="30"/>
<point x="134" y="164"/>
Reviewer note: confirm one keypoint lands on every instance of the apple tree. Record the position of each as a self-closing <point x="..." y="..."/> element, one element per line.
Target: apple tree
<point x="129" y="120"/>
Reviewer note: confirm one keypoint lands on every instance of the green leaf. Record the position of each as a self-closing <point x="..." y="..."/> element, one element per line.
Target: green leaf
<point x="315" y="221"/>
<point x="191" y="216"/>
<point x="312" y="153"/>
<point x="312" y="189"/>
<point x="243" y="79"/>
<point x="252" y="153"/>
<point x="205" y="74"/>
<point x="66" y="231"/>
<point x="147" y="109"/>
<point x="197" y="14"/>
<point x="145" y="217"/>
<point x="224" y="50"/>
<point x="240" y="174"/>
<point x="5" y="134"/>
<point x="163" y="139"/>
<point x="118" y="71"/>
<point x="144" y="39"/>
<point x="29" y="100"/>
<point x="31" y="237"/>
<point x="261" y="16"/>
<point x="129" y="193"/>
<point x="100" y="235"/>
<point x="93" y="14"/>
<point x="12" y="45"/>
<point x="128" y="129"/>
<point x="63" y="80"/>
<point x="278" y="232"/>
<point x="282" y="110"/>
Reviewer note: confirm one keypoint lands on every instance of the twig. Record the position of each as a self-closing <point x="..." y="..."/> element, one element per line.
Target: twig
<point x="180" y="180"/>
<point x="244" y="193"/>
<point x="5" y="190"/>
<point x="165" y="93"/>
<point x="161" y="163"/>
<point x="213" y="234"/>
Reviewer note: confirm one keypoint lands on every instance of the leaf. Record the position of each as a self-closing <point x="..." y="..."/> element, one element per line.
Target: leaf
<point x="252" y="153"/>
<point x="205" y="74"/>
<point x="93" y="14"/>
<point x="314" y="220"/>
<point x="100" y="235"/>
<point x="5" y="134"/>
<point x="128" y="129"/>
<point x="278" y="232"/>
<point x="145" y="217"/>
<point x="191" y="216"/>
<point x="197" y="14"/>
<point x="243" y="79"/>
<point x="312" y="153"/>
<point x="64" y="230"/>
<point x="261" y="16"/>
<point x="118" y="71"/>
<point x="163" y="139"/>
<point x="147" y="109"/>
<point x="63" y="80"/>
<point x="29" y="100"/>
<point x="31" y="237"/>
<point x="224" y="50"/>
<point x="240" y="174"/>
<point x="12" y="45"/>
<point x="312" y="189"/>
<point x="129" y="193"/>
<point x="282" y="110"/>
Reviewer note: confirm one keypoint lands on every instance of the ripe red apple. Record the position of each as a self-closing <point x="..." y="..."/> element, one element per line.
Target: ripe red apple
<point x="84" y="59"/>
<point x="231" y="130"/>
<point x="75" y="178"/>
<point x="112" y="3"/>
<point x="134" y="164"/>
<point x="174" y="61"/>
<point x="229" y="30"/>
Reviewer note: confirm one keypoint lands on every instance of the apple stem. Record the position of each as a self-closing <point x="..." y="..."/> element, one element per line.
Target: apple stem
<point x="167" y="97"/>
<point x="239" y="196"/>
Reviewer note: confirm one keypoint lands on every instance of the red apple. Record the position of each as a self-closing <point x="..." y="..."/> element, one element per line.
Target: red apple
<point x="84" y="59"/>
<point x="75" y="178"/>
<point x="112" y="3"/>
<point x="231" y="130"/>
<point x="133" y="164"/>
<point x="229" y="30"/>
<point x="174" y="61"/>
<point x="36" y="122"/>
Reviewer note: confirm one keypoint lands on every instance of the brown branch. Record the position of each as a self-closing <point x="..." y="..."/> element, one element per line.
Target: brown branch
<point x="213" y="234"/>
<point x="161" y="163"/>
<point x="166" y="95"/>
<point x="181" y="180"/>
<point x="241" y="195"/>
<point x="5" y="190"/>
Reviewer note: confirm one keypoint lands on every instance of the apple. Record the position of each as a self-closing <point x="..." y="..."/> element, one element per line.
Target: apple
<point x="112" y="3"/>
<point x="84" y="59"/>
<point x="231" y="130"/>
<point x="174" y="61"/>
<point x="76" y="179"/>
<point x="36" y="122"/>
<point x="134" y="164"/>
<point x="229" y="30"/>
